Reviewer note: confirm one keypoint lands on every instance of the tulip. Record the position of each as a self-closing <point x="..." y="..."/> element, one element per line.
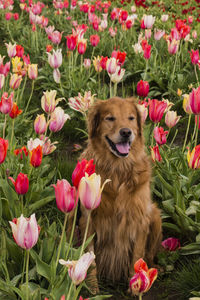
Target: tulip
<point x="48" y="147"/>
<point x="194" y="55"/>
<point x="81" y="168"/>
<point x="3" y="149"/>
<point x="11" y="49"/>
<point x="21" y="151"/>
<point x="171" y="244"/>
<point x="56" y="75"/>
<point x="15" y="81"/>
<point x="25" y="231"/>
<point x="6" y="103"/>
<point x="2" y="81"/>
<point x="71" y="41"/>
<point x="55" y="37"/>
<point x="156" y="110"/>
<point x="81" y="47"/>
<point x="147" y="34"/>
<point x="142" y="88"/>
<point x="164" y="18"/>
<point x="158" y="34"/>
<point x="40" y="124"/>
<point x="87" y="63"/>
<point x="19" y="51"/>
<point x="155" y="154"/>
<point x="32" y="144"/>
<point x="143" y="111"/>
<point x="58" y="119"/>
<point x="173" y="46"/>
<point x="21" y="184"/>
<point x="55" y="59"/>
<point x="143" y="279"/>
<point x="4" y="69"/>
<point x="15" y="111"/>
<point x="160" y="135"/>
<point x="81" y="103"/>
<point x="48" y="101"/>
<point x="194" y="158"/>
<point x="90" y="190"/>
<point x="66" y="196"/>
<point x="97" y="64"/>
<point x="118" y="75"/>
<point x="186" y="104"/>
<point x="147" y="51"/>
<point x="103" y="62"/>
<point x="94" y="40"/>
<point x="77" y="270"/>
<point x="194" y="98"/>
<point x="194" y="34"/>
<point x="111" y="65"/>
<point x="171" y="118"/>
<point x="148" y="21"/>
<point x="33" y="71"/>
<point x="36" y="156"/>
<point x="8" y="16"/>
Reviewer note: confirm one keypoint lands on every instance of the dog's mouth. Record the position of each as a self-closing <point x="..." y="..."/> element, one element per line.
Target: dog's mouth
<point x="119" y="149"/>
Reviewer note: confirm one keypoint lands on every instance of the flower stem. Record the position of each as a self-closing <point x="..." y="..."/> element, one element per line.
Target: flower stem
<point x="85" y="235"/>
<point x="61" y="239"/>
<point x="21" y="94"/>
<point x="195" y="71"/>
<point x="69" y="292"/>
<point x="187" y="130"/>
<point x="72" y="232"/>
<point x="27" y="265"/>
<point x="140" y="296"/>
<point x="172" y="77"/>
<point x="4" y="126"/>
<point x="111" y="93"/>
<point x="197" y="130"/>
<point x="12" y="133"/>
<point x="115" y="89"/>
<point x="33" y="82"/>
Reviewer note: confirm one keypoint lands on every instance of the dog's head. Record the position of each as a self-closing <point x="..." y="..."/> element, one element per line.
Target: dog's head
<point x="115" y="124"/>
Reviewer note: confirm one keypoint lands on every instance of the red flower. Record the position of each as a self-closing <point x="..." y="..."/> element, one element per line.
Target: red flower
<point x="160" y="135"/>
<point x="19" y="51"/>
<point x="71" y="41"/>
<point x="156" y="110"/>
<point x="21" y="184"/>
<point x="21" y="151"/>
<point x="3" y="149"/>
<point x="94" y="40"/>
<point x="171" y="244"/>
<point x="36" y="156"/>
<point x="103" y="62"/>
<point x="147" y="51"/>
<point x="15" y="111"/>
<point x="194" y="55"/>
<point x="81" y="168"/>
<point x="142" y="88"/>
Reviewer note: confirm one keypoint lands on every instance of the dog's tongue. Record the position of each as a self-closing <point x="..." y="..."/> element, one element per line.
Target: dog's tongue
<point x="123" y="147"/>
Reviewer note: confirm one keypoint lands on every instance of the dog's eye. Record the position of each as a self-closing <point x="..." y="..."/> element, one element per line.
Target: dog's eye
<point x="131" y="118"/>
<point x="110" y="119"/>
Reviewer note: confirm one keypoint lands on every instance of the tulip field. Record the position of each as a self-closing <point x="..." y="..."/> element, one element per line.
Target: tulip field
<point x="57" y="57"/>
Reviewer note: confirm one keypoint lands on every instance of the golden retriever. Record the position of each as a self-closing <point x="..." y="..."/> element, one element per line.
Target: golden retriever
<point x="127" y="225"/>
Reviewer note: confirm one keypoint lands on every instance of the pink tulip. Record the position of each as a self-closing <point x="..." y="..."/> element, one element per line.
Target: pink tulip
<point x="164" y="18"/>
<point x="77" y="270"/>
<point x="11" y="49"/>
<point x="171" y="118"/>
<point x="147" y="51"/>
<point x="173" y="46"/>
<point x="4" y="69"/>
<point x="147" y="34"/>
<point x="171" y="244"/>
<point x="40" y="124"/>
<point x="55" y="37"/>
<point x="15" y="81"/>
<point x="25" y="231"/>
<point x="21" y="184"/>
<point x="194" y="55"/>
<point x="156" y="110"/>
<point x="81" y="46"/>
<point x="6" y="103"/>
<point x="94" y="40"/>
<point x="194" y="98"/>
<point x="148" y="21"/>
<point x="55" y="59"/>
<point x="58" y="119"/>
<point x="2" y="81"/>
<point x="158" y="34"/>
<point x="87" y="63"/>
<point x="90" y="190"/>
<point x="111" y="65"/>
<point x="160" y="135"/>
<point x="32" y="71"/>
<point x="48" y="101"/>
<point x="66" y="196"/>
<point x="155" y="154"/>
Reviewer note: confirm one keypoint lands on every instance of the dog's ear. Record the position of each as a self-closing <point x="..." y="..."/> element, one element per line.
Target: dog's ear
<point x="139" y="117"/>
<point x="93" y="120"/>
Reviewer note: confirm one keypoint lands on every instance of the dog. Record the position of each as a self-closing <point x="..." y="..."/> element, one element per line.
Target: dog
<point x="127" y="224"/>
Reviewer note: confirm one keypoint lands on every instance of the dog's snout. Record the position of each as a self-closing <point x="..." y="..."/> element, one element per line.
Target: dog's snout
<point x="125" y="132"/>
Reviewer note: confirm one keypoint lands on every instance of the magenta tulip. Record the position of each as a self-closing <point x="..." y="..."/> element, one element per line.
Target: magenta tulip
<point x="21" y="184"/>
<point x="160" y="135"/>
<point x="194" y="98"/>
<point x="142" y="88"/>
<point x="171" y="244"/>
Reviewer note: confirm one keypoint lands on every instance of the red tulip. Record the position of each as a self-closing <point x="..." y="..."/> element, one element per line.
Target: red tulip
<point x="6" y="103"/>
<point x="194" y="55"/>
<point x="15" y="111"/>
<point x="21" y="184"/>
<point x="155" y="154"/>
<point x="103" y="62"/>
<point x="3" y="149"/>
<point x="81" y="168"/>
<point x="194" y="97"/>
<point x="171" y="244"/>
<point x="19" y="51"/>
<point x="160" y="135"/>
<point x="81" y="47"/>
<point x="94" y="40"/>
<point x="147" y="51"/>
<point x="142" y="88"/>
<point x="156" y="110"/>
<point x="21" y="151"/>
<point x="71" y="41"/>
<point x="66" y="196"/>
<point x="36" y="156"/>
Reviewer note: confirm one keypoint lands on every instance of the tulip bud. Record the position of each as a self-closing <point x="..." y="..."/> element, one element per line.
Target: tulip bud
<point x="21" y="184"/>
<point x="40" y="124"/>
<point x="36" y="156"/>
<point x="15" y="81"/>
<point x="142" y="88"/>
<point x="33" y="71"/>
<point x="58" y="119"/>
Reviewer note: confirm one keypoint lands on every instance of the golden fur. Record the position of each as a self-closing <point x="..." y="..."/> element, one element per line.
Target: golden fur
<point x="127" y="225"/>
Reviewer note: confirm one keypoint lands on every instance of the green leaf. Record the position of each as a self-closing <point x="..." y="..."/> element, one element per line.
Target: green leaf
<point x="43" y="269"/>
<point x="171" y="226"/>
<point x="193" y="248"/>
<point x="33" y="207"/>
<point x="11" y="196"/>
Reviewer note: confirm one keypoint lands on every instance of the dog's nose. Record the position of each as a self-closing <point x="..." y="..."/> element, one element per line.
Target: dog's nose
<point x="125" y="132"/>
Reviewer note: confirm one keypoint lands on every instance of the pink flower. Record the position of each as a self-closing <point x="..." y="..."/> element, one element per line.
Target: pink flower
<point x="11" y="49"/>
<point x="94" y="40"/>
<point x="173" y="46"/>
<point x="142" y="88"/>
<point x="155" y="154"/>
<point x="21" y="184"/>
<point x="171" y="244"/>
<point x="147" y="51"/>
<point x="2" y="81"/>
<point x="66" y="196"/>
<point x="158" y="34"/>
<point x="171" y="118"/>
<point x="40" y="124"/>
<point x="194" y="55"/>
<point x="156" y="110"/>
<point x="25" y="231"/>
<point x="6" y="103"/>
<point x="77" y="270"/>
<point x="71" y="41"/>
<point x="111" y="65"/>
<point x="160" y="135"/>
<point x="55" y="37"/>
<point x="58" y="119"/>
<point x="194" y="98"/>
<point x="193" y="158"/>
<point x="81" y="47"/>
<point x="55" y="59"/>
<point x="148" y="21"/>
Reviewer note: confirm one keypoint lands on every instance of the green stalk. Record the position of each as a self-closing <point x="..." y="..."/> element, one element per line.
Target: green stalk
<point x="21" y="95"/>
<point x="197" y="130"/>
<point x="187" y="130"/>
<point x="24" y="264"/>
<point x="27" y="265"/>
<point x="85" y="235"/>
<point x="4" y="127"/>
<point x="12" y="133"/>
<point x="72" y="232"/>
<point x="33" y="82"/>
<point x="172" y="77"/>
<point x="111" y="93"/>
<point x="61" y="239"/>
<point x="115" y="89"/>
<point x="69" y="292"/>
<point x="195" y="71"/>
<point x="140" y="296"/>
